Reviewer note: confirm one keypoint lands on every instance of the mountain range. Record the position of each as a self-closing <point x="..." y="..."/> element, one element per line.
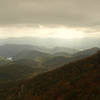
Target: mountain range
<point x="75" y="81"/>
<point x="27" y="72"/>
<point x="77" y="43"/>
<point x="10" y="50"/>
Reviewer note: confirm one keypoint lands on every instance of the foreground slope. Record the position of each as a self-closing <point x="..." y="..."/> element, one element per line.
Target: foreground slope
<point x="76" y="81"/>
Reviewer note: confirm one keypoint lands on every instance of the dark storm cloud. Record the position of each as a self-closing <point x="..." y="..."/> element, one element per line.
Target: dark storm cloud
<point x="72" y="13"/>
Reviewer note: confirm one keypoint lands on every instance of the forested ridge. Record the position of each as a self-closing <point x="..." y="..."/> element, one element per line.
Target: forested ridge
<point x="75" y="81"/>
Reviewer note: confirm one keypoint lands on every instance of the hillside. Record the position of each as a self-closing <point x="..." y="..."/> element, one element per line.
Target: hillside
<point x="56" y="61"/>
<point x="14" y="71"/>
<point x="75" y="81"/>
<point x="86" y="52"/>
<point x="64" y="49"/>
<point x="60" y="59"/>
<point x="4" y="61"/>
<point x="37" y="60"/>
<point x="19" y="70"/>
<point x="62" y="54"/>
<point x="31" y="54"/>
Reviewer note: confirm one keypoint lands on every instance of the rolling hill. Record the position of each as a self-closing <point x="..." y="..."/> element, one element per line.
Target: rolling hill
<point x="14" y="71"/>
<point x="31" y="54"/>
<point x="75" y="81"/>
<point x="86" y="52"/>
<point x="4" y="61"/>
<point x="64" y="50"/>
<point x="10" y="50"/>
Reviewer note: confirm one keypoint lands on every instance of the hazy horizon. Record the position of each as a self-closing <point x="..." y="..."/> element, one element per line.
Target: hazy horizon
<point x="50" y="23"/>
<point x="68" y="19"/>
<point x="79" y="43"/>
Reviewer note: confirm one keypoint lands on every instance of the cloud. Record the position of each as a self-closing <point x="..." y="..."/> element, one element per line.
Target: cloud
<point x="79" y="14"/>
<point x="43" y="31"/>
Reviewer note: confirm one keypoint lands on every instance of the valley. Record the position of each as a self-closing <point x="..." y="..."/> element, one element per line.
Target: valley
<point x="42" y="73"/>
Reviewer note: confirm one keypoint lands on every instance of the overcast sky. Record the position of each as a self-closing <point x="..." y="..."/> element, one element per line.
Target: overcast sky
<point x="50" y="18"/>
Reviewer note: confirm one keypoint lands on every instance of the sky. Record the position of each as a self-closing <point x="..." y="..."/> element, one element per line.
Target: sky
<point x="50" y="18"/>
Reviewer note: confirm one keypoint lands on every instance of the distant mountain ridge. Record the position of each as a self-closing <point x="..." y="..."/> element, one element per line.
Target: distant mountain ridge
<point x="77" y="43"/>
<point x="10" y="50"/>
<point x="87" y="52"/>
